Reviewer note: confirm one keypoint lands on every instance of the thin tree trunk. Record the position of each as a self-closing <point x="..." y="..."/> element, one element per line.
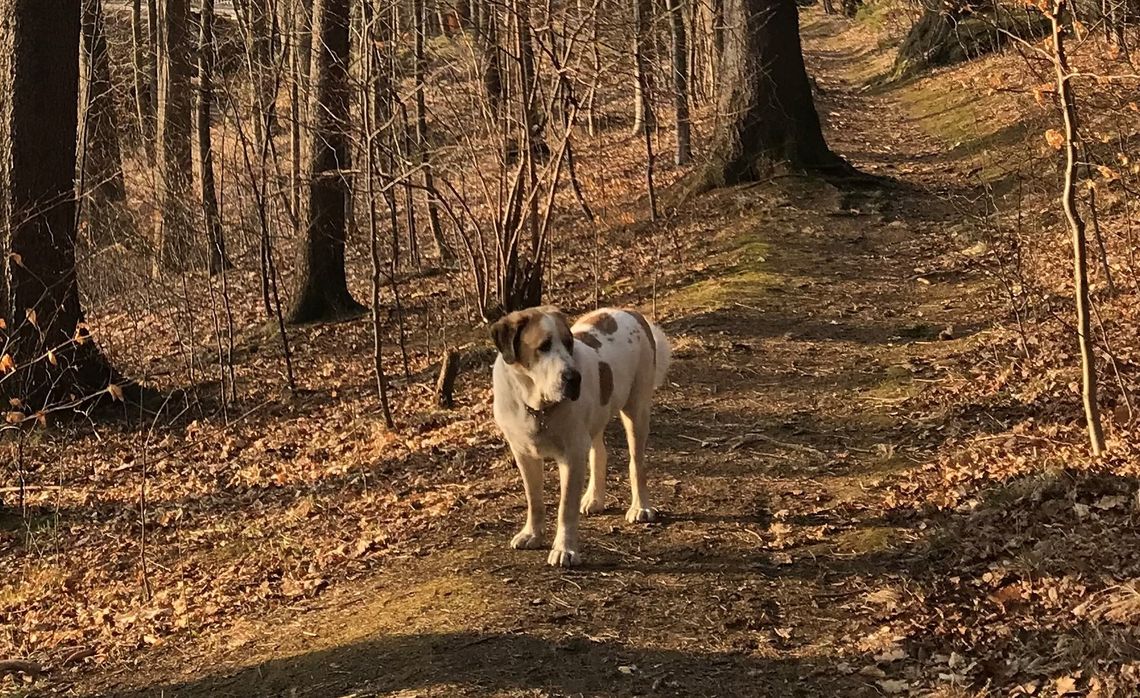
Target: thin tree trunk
<point x="175" y="161"/>
<point x="441" y="247"/>
<point x="152" y="75"/>
<point x="371" y="110"/>
<point x="1077" y="228"/>
<point x="257" y="21"/>
<point x="214" y="237"/>
<point x="684" y="151"/>
<point x="296" y="108"/>
<point x="322" y="285"/>
<point x="101" y="162"/>
<point x="140" y="69"/>
<point x="643" y="80"/>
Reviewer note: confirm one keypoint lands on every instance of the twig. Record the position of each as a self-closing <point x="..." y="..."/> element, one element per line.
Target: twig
<point x="753" y="436"/>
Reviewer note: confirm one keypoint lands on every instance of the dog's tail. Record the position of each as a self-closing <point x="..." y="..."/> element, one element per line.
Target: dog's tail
<point x="664" y="356"/>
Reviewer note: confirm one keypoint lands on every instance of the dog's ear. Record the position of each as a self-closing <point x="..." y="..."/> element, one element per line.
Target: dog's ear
<point x="505" y="334"/>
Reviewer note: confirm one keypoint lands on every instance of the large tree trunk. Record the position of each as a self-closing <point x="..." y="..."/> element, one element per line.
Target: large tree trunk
<point x="769" y="114"/>
<point x="53" y="359"/>
<point x="322" y="287"/>
<point x="102" y="182"/>
<point x="173" y="139"/>
<point x="214" y="238"/>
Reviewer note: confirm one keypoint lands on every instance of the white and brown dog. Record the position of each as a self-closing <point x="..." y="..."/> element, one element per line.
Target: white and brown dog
<point x="556" y="388"/>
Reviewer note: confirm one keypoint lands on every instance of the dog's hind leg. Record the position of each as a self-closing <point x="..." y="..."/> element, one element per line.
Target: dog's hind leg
<point x="531" y="535"/>
<point x="635" y="418"/>
<point x="594" y="501"/>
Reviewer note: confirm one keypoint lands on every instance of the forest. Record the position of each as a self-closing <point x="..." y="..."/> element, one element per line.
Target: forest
<point x="252" y="250"/>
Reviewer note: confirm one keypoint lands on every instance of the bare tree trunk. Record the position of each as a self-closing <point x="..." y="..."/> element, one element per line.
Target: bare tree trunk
<point x="175" y="160"/>
<point x="140" y="69"/>
<point x="152" y="75"/>
<point x="491" y="67"/>
<point x="322" y="285"/>
<point x="101" y="162"/>
<point x="643" y="79"/>
<point x="769" y="117"/>
<point x="1077" y="228"/>
<point x="371" y="106"/>
<point x="534" y="118"/>
<point x="683" y="152"/>
<point x="298" y="25"/>
<point x="441" y="247"/>
<point x="596" y="73"/>
<point x="258" y="24"/>
<point x="214" y="237"/>
<point x="55" y="358"/>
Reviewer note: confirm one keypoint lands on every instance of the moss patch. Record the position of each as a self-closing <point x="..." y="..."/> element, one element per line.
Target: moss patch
<point x="741" y="273"/>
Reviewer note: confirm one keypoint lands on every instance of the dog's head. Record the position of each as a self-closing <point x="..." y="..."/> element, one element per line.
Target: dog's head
<point x="537" y="346"/>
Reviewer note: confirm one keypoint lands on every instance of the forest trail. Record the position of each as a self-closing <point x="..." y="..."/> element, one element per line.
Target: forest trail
<point x="787" y="419"/>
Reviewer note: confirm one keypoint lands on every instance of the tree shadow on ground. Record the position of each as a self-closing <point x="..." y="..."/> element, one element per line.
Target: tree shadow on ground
<point x="474" y="663"/>
<point x="954" y="567"/>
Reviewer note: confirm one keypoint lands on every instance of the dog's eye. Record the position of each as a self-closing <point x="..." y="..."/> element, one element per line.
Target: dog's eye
<point x="545" y="346"/>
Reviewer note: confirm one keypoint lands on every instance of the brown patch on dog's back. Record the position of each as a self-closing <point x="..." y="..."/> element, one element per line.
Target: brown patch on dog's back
<point x="648" y="333"/>
<point x="605" y="382"/>
<point x="588" y="339"/>
<point x="602" y="320"/>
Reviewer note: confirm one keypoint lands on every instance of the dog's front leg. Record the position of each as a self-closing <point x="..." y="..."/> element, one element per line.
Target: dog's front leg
<point x="571" y="474"/>
<point x="531" y="535"/>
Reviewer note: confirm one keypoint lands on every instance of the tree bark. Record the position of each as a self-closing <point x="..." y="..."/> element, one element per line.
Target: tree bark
<point x="768" y="113"/>
<point x="683" y="152"/>
<point x="643" y="80"/>
<point x="216" y="254"/>
<point x="101" y="160"/>
<point x="53" y="356"/>
<point x="175" y="159"/>
<point x="152" y="79"/>
<point x="487" y="33"/>
<point x="140" y="67"/>
<point x="434" y="225"/>
<point x="1077" y="229"/>
<point x="258" y="25"/>
<point x="321" y="286"/>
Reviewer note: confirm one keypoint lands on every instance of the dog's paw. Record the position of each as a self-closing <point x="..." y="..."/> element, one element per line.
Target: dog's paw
<point x="560" y="557"/>
<point x="641" y="515"/>
<point x="526" y="540"/>
<point x="592" y="505"/>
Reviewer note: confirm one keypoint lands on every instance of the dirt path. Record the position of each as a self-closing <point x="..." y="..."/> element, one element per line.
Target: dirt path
<point x="777" y="568"/>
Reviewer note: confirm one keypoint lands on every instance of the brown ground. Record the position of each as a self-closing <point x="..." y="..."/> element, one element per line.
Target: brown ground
<point x="810" y="354"/>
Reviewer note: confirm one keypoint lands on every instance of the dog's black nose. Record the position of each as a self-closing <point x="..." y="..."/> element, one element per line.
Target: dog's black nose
<point x="572" y="383"/>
